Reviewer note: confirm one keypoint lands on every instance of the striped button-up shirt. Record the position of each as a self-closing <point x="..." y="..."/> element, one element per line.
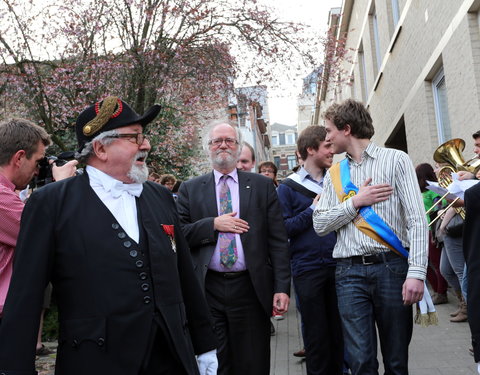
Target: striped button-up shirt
<point x="403" y="211"/>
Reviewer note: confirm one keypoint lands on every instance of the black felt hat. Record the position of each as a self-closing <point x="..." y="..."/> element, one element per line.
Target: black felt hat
<point x="111" y="113"/>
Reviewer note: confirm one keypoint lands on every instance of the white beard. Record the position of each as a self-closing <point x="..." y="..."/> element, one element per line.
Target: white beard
<point x="139" y="173"/>
<point x="221" y="162"/>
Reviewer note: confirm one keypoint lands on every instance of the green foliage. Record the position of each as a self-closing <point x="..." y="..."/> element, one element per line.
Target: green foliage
<point x="50" y="323"/>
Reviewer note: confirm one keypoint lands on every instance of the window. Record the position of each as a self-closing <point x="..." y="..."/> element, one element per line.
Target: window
<point x="376" y="39"/>
<point x="290" y="138"/>
<point x="363" y="73"/>
<point x="353" y="88"/>
<point x="291" y="161"/>
<point x="275" y="140"/>
<point x="395" y="12"/>
<point x="282" y="138"/>
<point x="441" y="107"/>
<point x="276" y="160"/>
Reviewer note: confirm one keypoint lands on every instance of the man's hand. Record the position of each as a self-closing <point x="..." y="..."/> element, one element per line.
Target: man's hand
<point x="315" y="201"/>
<point x="464" y="175"/>
<point x="229" y="223"/>
<point x="207" y="363"/>
<point x="370" y="194"/>
<point x="65" y="171"/>
<point x="412" y="291"/>
<point x="280" y="303"/>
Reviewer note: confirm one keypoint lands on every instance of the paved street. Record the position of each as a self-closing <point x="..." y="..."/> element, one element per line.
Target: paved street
<point x="439" y="350"/>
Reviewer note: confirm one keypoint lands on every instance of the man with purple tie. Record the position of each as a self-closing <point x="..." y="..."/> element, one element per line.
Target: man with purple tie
<point x="233" y="223"/>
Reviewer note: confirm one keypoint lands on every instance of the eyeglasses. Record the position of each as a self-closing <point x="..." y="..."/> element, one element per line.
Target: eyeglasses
<point x="137" y="138"/>
<point x="217" y="142"/>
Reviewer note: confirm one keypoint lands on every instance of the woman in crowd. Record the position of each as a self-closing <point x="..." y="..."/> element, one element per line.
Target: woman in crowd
<point x="439" y="285"/>
<point x="269" y="169"/>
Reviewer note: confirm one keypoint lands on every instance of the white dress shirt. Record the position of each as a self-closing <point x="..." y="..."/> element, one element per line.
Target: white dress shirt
<point x="119" y="199"/>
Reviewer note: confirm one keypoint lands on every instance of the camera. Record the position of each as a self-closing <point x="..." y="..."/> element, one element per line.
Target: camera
<point x="45" y="175"/>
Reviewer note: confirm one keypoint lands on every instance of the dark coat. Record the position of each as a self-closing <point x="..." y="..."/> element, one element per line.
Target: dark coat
<point x="471" y="248"/>
<point x="308" y="251"/>
<point x="265" y="244"/>
<point x="107" y="287"/>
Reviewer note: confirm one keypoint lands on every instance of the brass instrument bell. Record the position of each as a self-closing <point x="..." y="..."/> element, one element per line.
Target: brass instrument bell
<point x="450" y="153"/>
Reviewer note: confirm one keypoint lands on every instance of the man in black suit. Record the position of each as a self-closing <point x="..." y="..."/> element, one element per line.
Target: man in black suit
<point x="234" y="226"/>
<point x="471" y="241"/>
<point x="128" y="299"/>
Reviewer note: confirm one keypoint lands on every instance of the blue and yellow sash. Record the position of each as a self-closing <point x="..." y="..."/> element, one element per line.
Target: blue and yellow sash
<point x="367" y="221"/>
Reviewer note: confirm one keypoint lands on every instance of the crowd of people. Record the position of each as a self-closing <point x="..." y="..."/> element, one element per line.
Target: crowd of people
<point x="184" y="278"/>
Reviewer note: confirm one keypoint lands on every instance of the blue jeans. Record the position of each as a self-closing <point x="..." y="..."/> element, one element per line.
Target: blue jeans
<point x="369" y="295"/>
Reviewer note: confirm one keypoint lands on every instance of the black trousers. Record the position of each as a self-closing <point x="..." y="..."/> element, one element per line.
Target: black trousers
<point x="322" y="325"/>
<point x="160" y="358"/>
<point x="241" y="324"/>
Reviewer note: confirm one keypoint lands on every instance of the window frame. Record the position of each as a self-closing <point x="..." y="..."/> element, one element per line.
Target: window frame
<point x="443" y="124"/>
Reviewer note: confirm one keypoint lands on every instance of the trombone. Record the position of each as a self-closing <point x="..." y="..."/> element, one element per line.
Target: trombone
<point x="444" y="180"/>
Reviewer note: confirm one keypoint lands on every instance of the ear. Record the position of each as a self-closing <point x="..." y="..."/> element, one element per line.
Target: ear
<point x="100" y="151"/>
<point x="347" y="129"/>
<point x="311" y="151"/>
<point x="18" y="158"/>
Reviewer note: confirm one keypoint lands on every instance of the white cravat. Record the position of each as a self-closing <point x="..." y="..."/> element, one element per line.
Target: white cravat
<point x="119" y="188"/>
<point x="119" y="199"/>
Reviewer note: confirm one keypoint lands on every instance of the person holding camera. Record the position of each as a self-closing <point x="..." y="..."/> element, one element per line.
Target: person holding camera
<point x="110" y="242"/>
<point x="22" y="149"/>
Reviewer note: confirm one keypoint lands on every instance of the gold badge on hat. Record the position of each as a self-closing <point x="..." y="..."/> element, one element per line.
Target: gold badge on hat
<point x="111" y="107"/>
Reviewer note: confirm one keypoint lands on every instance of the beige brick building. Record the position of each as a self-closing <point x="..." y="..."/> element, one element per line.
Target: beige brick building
<point x="416" y="65"/>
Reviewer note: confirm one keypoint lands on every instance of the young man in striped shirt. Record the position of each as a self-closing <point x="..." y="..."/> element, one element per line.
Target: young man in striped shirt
<point x="372" y="192"/>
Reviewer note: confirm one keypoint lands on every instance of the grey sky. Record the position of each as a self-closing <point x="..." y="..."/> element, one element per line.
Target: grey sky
<point x="283" y="105"/>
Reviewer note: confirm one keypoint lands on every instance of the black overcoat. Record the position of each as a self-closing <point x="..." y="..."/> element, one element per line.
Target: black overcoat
<point x="471" y="248"/>
<point x="107" y="288"/>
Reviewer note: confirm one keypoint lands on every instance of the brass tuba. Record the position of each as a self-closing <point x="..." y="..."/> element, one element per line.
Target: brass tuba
<point x="450" y="153"/>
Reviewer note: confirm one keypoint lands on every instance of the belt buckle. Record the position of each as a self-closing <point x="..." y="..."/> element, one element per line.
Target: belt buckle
<point x="364" y="262"/>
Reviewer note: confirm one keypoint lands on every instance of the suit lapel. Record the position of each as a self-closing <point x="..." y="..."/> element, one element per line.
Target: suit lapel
<point x="244" y="191"/>
<point x="153" y="215"/>
<point x="210" y="195"/>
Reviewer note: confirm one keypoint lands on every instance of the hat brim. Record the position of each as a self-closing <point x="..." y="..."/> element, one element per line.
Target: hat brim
<point x="149" y="115"/>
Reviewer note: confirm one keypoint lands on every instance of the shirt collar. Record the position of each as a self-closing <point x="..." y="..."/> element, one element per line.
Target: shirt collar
<point x="370" y="151"/>
<point x="110" y="184"/>
<point x="99" y="178"/>
<point x="6" y="182"/>
<point x="233" y="174"/>
<point x="303" y="173"/>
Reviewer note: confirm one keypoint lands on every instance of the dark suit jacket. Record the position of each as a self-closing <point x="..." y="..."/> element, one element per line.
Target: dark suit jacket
<point x="471" y="248"/>
<point x="107" y="287"/>
<point x="265" y="244"/>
